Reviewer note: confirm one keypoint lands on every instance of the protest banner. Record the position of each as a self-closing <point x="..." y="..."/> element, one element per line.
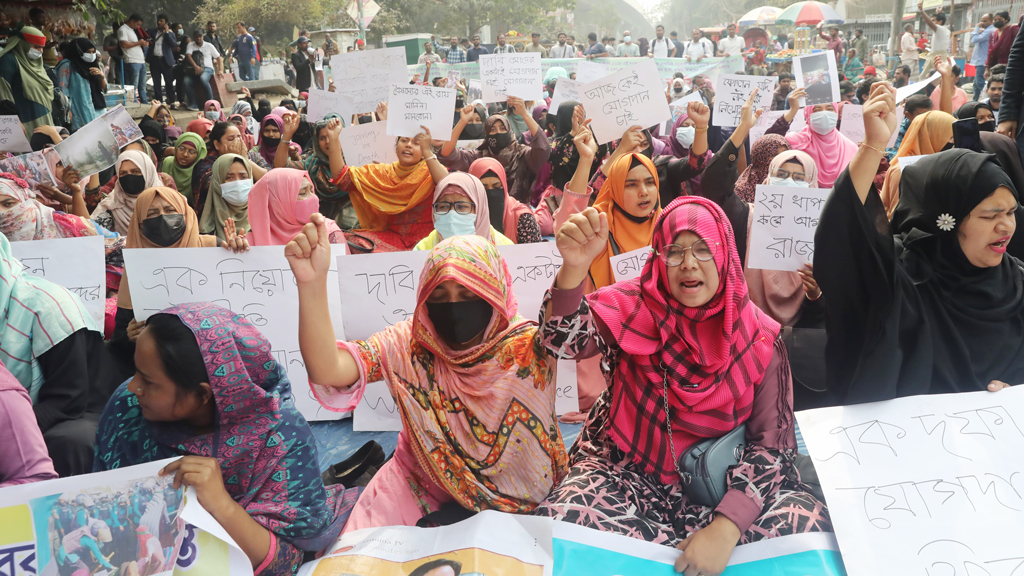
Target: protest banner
<point x="732" y="92"/>
<point x="77" y="264"/>
<point x="322" y="102"/>
<point x="628" y="265"/>
<point x="368" y="75"/>
<point x="12" y="135"/>
<point x="782" y="230"/>
<point x="565" y="90"/>
<point x="410" y="107"/>
<point x="257" y="284"/>
<point x="623" y="99"/>
<point x="817" y="75"/>
<point x="96" y="146"/>
<point x="364" y="144"/>
<point x="504" y="75"/>
<point x="924" y="484"/>
<point x="589" y="71"/>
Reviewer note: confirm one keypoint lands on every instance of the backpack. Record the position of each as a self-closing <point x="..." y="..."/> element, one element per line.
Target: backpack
<point x="60" y="109"/>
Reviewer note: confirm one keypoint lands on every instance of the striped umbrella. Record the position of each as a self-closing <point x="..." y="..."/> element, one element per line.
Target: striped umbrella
<point x="762" y="16"/>
<point x="808" y="14"/>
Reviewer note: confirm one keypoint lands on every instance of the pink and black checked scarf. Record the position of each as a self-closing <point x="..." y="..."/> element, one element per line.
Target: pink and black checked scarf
<point x="713" y="356"/>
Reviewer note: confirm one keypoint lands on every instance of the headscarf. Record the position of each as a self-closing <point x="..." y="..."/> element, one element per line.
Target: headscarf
<point x="32" y="220"/>
<point x="240" y="108"/>
<point x="280" y="111"/>
<point x="120" y="204"/>
<point x="262" y="109"/>
<point x="714" y="356"/>
<point x="678" y="150"/>
<point x="626" y="234"/>
<point x="216" y="209"/>
<point x="266" y="451"/>
<point x="446" y="397"/>
<point x="555" y="72"/>
<point x="318" y="164"/>
<point x="152" y="129"/>
<point x="183" y="176"/>
<point x="831" y="153"/>
<point x="267" y="151"/>
<point x="470" y="187"/>
<point x="200" y="126"/>
<point x="77" y="48"/>
<point x="272" y="208"/>
<point x="216" y="106"/>
<point x="37" y="315"/>
<point x="970" y="109"/>
<point x="514" y="209"/>
<point x="386" y="190"/>
<point x="927" y="134"/>
<point x="762" y="153"/>
<point x="481" y="111"/>
<point x="564" y="157"/>
<point x="35" y="83"/>
<point x="248" y="138"/>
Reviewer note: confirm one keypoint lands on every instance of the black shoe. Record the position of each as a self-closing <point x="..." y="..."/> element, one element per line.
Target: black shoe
<point x="349" y="471"/>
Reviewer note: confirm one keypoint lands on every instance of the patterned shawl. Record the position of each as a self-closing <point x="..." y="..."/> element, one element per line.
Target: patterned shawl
<point x="217" y="209"/>
<point x="386" y="190"/>
<point x="714" y="355"/>
<point x="37" y="315"/>
<point x="761" y="153"/>
<point x="31" y="220"/>
<point x="266" y="450"/>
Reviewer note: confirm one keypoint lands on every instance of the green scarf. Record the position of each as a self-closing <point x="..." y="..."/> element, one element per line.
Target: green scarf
<point x="183" y="176"/>
<point x="216" y="209"/>
<point x="36" y="85"/>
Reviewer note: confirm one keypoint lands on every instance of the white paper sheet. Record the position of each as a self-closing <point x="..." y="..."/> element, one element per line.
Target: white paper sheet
<point x="207" y="545"/>
<point x="782" y="231"/>
<point x="852" y="123"/>
<point x="505" y="75"/>
<point x="96" y="146"/>
<point x="924" y="484"/>
<point x="411" y="106"/>
<point x="587" y="71"/>
<point x="377" y="410"/>
<point x="75" y="263"/>
<point x="626" y="98"/>
<point x="321" y="103"/>
<point x="12" y="135"/>
<point x="258" y="284"/>
<point x="366" y="76"/>
<point x="905" y="161"/>
<point x="911" y="89"/>
<point x="364" y="144"/>
<point x="817" y="75"/>
<point x="628" y="265"/>
<point x="732" y="91"/>
<point x="565" y="89"/>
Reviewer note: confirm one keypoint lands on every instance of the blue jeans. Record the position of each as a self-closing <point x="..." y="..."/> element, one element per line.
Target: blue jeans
<point x="135" y="75"/>
<point x="979" y="81"/>
<point x="244" y="70"/>
<point x="256" y="71"/>
<point x="206" y="92"/>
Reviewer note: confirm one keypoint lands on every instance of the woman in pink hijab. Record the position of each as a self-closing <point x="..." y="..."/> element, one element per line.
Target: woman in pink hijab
<point x="830" y="150"/>
<point x="213" y="112"/>
<point x="280" y="204"/>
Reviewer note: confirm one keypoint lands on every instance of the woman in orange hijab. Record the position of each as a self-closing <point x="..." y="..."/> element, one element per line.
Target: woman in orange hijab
<point x="929" y="133"/>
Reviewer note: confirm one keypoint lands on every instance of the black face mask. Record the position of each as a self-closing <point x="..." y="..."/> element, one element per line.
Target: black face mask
<point x="473" y="132"/>
<point x="164" y="230"/>
<point x="132" y="184"/>
<point x="499" y="141"/>
<point x="496" y="207"/>
<point x="460" y="322"/>
<point x="989" y="126"/>
<point x="999" y="23"/>
<point x="272" y="142"/>
<point x="365" y="119"/>
<point x="677" y="89"/>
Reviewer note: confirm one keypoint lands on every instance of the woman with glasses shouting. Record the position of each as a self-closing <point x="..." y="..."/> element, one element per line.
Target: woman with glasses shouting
<point x="687" y="358"/>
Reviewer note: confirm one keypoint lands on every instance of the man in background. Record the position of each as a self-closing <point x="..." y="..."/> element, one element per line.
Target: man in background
<point x="862" y="46"/>
<point x="535" y="45"/>
<point x="628" y="49"/>
<point x="673" y="37"/>
<point x="243" y="48"/>
<point x="980" y="37"/>
<point x="38" y="18"/>
<point x="596" y="49"/>
<point x="161" y="58"/>
<point x="940" y="40"/>
<point x="213" y="38"/>
<point x="259" y="53"/>
<point x="563" y="49"/>
<point x="661" y="47"/>
<point x="731" y="45"/>
<point x="134" y="56"/>
<point x="503" y="47"/>
<point x="473" y="54"/>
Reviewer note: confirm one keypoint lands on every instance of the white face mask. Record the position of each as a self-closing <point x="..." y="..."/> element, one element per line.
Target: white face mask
<point x="685" y="135"/>
<point x="824" y="122"/>
<point x="89" y="57"/>
<point x="236" y="193"/>
<point x="34" y="54"/>
<point x="627" y="38"/>
<point x="776" y="181"/>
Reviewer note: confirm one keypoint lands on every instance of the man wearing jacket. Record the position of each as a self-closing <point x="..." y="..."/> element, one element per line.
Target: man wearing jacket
<point x="161" y="57"/>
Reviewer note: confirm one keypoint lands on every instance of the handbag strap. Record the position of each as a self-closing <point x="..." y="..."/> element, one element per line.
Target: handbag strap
<point x="668" y="416"/>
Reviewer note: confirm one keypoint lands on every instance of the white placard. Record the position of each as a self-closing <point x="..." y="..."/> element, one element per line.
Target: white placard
<point x="900" y="115"/>
<point x="911" y="89"/>
<point x="321" y="103"/>
<point x="925" y="484"/>
<point x="628" y="265"/>
<point x="366" y="76"/>
<point x="567" y="395"/>
<point x="626" y="98"/>
<point x="377" y="411"/>
<point x="257" y="284"/>
<point x="77" y="264"/>
<point x="12" y="135"/>
<point x="678" y="108"/>
<point x="782" y="232"/>
<point x="905" y="161"/>
<point x="765" y="122"/>
<point x="587" y="71"/>
<point x="363" y="144"/>
<point x="817" y="75"/>
<point x="504" y="75"/>
<point x="565" y="90"/>
<point x="732" y="93"/>
<point x="851" y="124"/>
<point x="411" y="106"/>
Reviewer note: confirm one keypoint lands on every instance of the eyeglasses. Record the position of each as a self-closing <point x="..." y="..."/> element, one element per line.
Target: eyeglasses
<point x="673" y="254"/>
<point x="460" y="207"/>
<point x="797" y="176"/>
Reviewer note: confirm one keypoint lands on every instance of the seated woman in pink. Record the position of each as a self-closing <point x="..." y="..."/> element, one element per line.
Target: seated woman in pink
<point x="280" y="204"/>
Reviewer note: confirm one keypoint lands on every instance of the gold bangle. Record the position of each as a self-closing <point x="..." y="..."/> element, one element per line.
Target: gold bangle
<point x="866" y="145"/>
<point x="431" y="157"/>
<point x="704" y="129"/>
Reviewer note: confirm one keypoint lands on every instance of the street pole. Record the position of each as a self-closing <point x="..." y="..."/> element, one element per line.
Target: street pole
<point x="362" y="29"/>
<point x="897" y="26"/>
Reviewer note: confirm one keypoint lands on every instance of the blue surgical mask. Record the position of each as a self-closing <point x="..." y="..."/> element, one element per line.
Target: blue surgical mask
<point x="685" y="135"/>
<point x="824" y="122"/>
<point x="627" y="38"/>
<point x="776" y="181"/>
<point x="455" y="224"/>
<point x="236" y="193"/>
<point x="212" y="115"/>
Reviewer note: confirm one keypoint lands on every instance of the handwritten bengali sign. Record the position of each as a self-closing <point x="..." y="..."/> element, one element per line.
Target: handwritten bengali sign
<point x="623" y="99"/>
<point x="12" y="135"/>
<point x="732" y="91"/>
<point x="412" y="106"/>
<point x="565" y="90"/>
<point x="504" y="75"/>
<point x="367" y="75"/>
<point x="851" y="123"/>
<point x="782" y="233"/>
<point x="77" y="264"/>
<point x="322" y="102"/>
<point x="257" y="284"/>
<point x="926" y="484"/>
<point x="364" y="144"/>
<point x="628" y="265"/>
<point x="590" y="71"/>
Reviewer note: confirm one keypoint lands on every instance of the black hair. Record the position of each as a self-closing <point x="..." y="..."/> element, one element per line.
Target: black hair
<point x="1005" y="15"/>
<point x="135" y="18"/>
<point x="786" y="76"/>
<point x="905" y="69"/>
<point x="996" y="78"/>
<point x="918" y="102"/>
<point x="163" y="17"/>
<point x="208" y="22"/>
<point x="997" y="69"/>
<point x="35" y="12"/>
<point x="845" y="86"/>
<point x="673" y="33"/>
<point x="197" y="33"/>
<point x="435" y="564"/>
<point x="179" y="352"/>
<point x="957" y="70"/>
<point x="940" y="18"/>
<point x="864" y="89"/>
<point x="592" y="36"/>
<point x="217" y="132"/>
<point x="859" y="30"/>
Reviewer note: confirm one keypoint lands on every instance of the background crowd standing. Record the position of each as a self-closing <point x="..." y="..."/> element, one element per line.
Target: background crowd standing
<point x="915" y="288"/>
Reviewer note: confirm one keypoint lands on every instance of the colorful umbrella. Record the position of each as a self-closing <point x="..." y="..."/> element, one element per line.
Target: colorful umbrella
<point x="762" y="16"/>
<point x="808" y="14"/>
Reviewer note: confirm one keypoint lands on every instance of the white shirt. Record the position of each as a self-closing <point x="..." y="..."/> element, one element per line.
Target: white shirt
<point x="559" y="51"/>
<point x="209" y="52"/>
<point x="628" y="50"/>
<point x="732" y="46"/>
<point x="158" y="44"/>
<point x="133" y="55"/>
<point x="940" y="40"/>
<point x="660" y="47"/>
<point x="697" y="49"/>
<point x="908" y="46"/>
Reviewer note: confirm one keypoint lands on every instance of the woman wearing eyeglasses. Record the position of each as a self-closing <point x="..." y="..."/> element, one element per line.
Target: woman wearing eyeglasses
<point x="687" y="357"/>
<point x="460" y="209"/>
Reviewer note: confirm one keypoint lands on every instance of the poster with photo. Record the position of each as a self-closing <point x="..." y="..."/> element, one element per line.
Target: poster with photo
<point x="817" y="75"/>
<point x="32" y="168"/>
<point x="91" y="149"/>
<point x="124" y="129"/>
